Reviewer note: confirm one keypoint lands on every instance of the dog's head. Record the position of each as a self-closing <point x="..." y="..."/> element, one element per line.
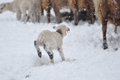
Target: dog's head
<point x="62" y="29"/>
<point x="3" y="7"/>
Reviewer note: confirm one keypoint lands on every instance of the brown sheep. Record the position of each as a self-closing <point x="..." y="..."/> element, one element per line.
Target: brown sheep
<point x="60" y="4"/>
<point x="107" y="10"/>
<point x="76" y="5"/>
<point x="57" y="5"/>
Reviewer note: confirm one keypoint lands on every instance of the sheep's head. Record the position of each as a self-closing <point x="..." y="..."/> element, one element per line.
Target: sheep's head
<point x="2" y="7"/>
<point x="62" y="29"/>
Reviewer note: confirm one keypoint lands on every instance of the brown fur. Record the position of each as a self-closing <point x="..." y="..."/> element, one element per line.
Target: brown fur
<point x="75" y="5"/>
<point x="46" y="5"/>
<point x="107" y="10"/>
<point x="56" y="4"/>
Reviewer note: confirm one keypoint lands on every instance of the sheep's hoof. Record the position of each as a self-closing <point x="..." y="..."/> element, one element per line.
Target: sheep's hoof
<point x="91" y="22"/>
<point x="76" y="23"/>
<point x="59" y="21"/>
<point x="105" y="46"/>
<point x="40" y="54"/>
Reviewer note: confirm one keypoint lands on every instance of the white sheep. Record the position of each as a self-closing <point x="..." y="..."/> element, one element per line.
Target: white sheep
<point x="28" y="9"/>
<point x="51" y="40"/>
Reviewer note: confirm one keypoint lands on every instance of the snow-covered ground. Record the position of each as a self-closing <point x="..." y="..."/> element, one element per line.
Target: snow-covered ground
<point x="85" y="57"/>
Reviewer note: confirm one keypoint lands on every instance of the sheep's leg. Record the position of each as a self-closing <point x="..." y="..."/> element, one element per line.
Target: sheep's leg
<point x="32" y="14"/>
<point x="33" y="17"/>
<point x="76" y="10"/>
<point x="48" y="14"/>
<point x="38" y="16"/>
<point x="104" y="30"/>
<point x="90" y="13"/>
<point x="18" y="15"/>
<point x="61" y="53"/>
<point x="115" y="29"/>
<point x="24" y="16"/>
<point x="42" y="11"/>
<point x="71" y="15"/>
<point x="58" y="14"/>
<point x="48" y="11"/>
<point x="76" y="17"/>
<point x="50" y="53"/>
<point x="38" y="49"/>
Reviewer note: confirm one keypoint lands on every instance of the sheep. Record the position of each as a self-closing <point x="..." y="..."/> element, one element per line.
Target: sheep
<point x="60" y="4"/>
<point x="20" y="7"/>
<point x="70" y="4"/>
<point x="107" y="10"/>
<point x="51" y="40"/>
<point x="76" y="5"/>
<point x="56" y="4"/>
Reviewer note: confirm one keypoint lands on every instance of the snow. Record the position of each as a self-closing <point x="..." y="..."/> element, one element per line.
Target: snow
<point x="85" y="57"/>
<point x="64" y="9"/>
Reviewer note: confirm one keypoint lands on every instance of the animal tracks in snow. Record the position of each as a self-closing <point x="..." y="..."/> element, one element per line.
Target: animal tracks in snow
<point x="70" y="60"/>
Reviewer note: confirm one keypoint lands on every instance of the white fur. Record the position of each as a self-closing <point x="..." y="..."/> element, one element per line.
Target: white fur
<point x="20" y="7"/>
<point x="52" y="40"/>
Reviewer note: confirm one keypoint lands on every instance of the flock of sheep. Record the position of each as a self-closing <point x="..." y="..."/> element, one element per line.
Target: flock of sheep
<point x="32" y="10"/>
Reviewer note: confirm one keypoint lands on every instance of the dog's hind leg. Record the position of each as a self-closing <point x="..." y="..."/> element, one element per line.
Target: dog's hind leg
<point x="38" y="49"/>
<point x="61" y="53"/>
<point x="50" y="53"/>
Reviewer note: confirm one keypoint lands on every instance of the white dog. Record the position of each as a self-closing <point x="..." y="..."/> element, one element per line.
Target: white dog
<point x="51" y="40"/>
